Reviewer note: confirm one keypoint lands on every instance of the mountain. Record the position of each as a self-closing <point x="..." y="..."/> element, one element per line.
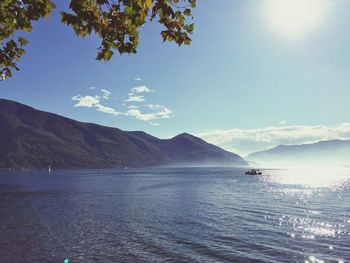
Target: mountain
<point x="325" y="152"/>
<point x="186" y="148"/>
<point x="31" y="138"/>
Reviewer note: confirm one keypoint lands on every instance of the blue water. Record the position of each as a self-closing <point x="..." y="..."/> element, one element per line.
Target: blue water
<point x="175" y="215"/>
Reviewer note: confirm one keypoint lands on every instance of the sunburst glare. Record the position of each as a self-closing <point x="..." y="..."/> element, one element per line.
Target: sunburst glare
<point x="295" y="18"/>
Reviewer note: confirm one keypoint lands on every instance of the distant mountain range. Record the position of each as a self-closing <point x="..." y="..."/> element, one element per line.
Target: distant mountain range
<point x="30" y="138"/>
<point x="323" y="152"/>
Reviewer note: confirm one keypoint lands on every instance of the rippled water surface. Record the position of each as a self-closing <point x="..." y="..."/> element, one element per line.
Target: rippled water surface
<point x="175" y="215"/>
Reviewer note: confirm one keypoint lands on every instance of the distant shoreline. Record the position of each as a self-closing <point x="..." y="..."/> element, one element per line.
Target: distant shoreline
<point x="123" y="168"/>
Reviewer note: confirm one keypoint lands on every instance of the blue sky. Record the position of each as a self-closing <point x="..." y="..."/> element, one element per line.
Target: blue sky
<point x="239" y="76"/>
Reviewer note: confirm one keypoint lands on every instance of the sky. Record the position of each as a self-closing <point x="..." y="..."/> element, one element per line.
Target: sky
<point x="257" y="74"/>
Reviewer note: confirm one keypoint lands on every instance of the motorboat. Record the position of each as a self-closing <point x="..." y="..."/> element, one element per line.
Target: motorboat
<point x="253" y="172"/>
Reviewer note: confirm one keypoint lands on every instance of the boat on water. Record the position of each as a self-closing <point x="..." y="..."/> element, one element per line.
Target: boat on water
<point x="253" y="172"/>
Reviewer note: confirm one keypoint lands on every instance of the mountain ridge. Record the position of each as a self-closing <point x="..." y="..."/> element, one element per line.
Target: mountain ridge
<point x="329" y="151"/>
<point x="32" y="138"/>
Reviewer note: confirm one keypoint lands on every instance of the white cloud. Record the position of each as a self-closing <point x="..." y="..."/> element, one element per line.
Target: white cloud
<point x="86" y="101"/>
<point x="133" y="107"/>
<point x="154" y="123"/>
<point x="93" y="102"/>
<point x="106" y="109"/>
<point x="245" y="141"/>
<point x="135" y="99"/>
<point x="162" y="113"/>
<point x="134" y="94"/>
<point x="92" y="88"/>
<point x="155" y="106"/>
<point x="137" y="79"/>
<point x="153" y="111"/>
<point x="283" y="122"/>
<point x="105" y="94"/>
<point x="139" y="115"/>
<point x="140" y="89"/>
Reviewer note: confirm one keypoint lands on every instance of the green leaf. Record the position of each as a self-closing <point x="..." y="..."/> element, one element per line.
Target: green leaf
<point x="116" y="22"/>
<point x="149" y="3"/>
<point x="187" y="12"/>
<point x="22" y="41"/>
<point x="107" y="55"/>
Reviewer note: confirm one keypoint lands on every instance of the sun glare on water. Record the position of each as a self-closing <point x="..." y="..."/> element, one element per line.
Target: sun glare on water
<point x="294" y="18"/>
<point x="313" y="176"/>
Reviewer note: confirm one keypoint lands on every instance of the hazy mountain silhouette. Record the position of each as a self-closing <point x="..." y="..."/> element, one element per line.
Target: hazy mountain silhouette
<point x="30" y="138"/>
<point x="333" y="151"/>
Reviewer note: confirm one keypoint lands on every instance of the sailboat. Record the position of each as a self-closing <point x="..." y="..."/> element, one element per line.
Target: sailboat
<point x="49" y="169"/>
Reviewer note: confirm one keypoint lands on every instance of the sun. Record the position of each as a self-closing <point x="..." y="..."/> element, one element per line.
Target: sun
<point x="294" y="18"/>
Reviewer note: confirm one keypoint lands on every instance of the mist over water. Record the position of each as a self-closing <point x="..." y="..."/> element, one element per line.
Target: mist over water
<point x="176" y="215"/>
<point x="323" y="153"/>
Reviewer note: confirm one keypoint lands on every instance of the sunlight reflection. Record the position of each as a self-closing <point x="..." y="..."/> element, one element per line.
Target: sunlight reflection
<point x="312" y="228"/>
<point x="310" y="176"/>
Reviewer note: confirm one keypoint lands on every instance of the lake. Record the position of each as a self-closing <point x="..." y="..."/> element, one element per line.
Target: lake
<point x="175" y="215"/>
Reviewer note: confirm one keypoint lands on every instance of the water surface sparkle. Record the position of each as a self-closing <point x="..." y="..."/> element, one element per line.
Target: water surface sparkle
<point x="175" y="215"/>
